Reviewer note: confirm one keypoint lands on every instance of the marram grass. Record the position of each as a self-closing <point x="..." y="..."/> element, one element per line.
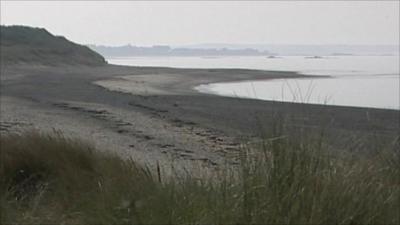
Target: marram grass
<point x="285" y="180"/>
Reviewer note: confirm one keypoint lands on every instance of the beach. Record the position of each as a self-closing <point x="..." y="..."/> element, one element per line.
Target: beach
<point x="154" y="114"/>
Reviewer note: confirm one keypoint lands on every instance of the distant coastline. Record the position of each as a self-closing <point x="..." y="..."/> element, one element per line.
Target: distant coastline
<point x="218" y="50"/>
<point x="165" y="50"/>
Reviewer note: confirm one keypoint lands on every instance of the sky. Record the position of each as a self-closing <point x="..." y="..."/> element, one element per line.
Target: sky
<point x="239" y="22"/>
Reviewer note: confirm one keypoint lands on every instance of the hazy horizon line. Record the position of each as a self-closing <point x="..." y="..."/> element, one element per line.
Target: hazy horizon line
<point x="240" y="44"/>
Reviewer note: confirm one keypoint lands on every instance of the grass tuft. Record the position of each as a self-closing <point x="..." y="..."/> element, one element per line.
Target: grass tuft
<point x="284" y="180"/>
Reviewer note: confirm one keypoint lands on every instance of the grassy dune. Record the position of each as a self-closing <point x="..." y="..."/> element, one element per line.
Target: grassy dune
<point x="284" y="180"/>
<point x="28" y="45"/>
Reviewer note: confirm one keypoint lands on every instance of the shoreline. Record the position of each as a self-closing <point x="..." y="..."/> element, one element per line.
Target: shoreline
<point x="225" y="89"/>
<point x="175" y="121"/>
<point x="184" y="83"/>
<point x="170" y="84"/>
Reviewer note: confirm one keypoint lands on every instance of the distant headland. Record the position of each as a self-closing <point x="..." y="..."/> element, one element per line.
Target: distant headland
<point x="165" y="50"/>
<point x="269" y="50"/>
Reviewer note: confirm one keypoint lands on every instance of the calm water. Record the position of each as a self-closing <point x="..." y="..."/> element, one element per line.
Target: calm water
<point x="366" y="81"/>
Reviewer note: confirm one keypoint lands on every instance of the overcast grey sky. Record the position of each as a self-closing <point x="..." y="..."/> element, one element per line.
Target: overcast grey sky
<point x="180" y="23"/>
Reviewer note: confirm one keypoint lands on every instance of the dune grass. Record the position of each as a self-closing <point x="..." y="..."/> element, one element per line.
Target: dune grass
<point x="284" y="180"/>
<point x="23" y="44"/>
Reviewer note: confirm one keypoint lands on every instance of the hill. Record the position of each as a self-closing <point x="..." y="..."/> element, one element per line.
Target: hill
<point x="22" y="44"/>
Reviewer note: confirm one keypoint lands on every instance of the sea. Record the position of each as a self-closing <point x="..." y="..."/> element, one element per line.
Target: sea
<point x="359" y="81"/>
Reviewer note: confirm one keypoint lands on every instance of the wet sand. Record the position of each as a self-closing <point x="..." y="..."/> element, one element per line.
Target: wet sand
<point x="158" y="115"/>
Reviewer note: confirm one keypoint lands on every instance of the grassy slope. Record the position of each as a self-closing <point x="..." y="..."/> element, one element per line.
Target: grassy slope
<point x="287" y="180"/>
<point x="20" y="44"/>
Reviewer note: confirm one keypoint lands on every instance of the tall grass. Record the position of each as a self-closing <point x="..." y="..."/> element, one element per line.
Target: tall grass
<point x="286" y="179"/>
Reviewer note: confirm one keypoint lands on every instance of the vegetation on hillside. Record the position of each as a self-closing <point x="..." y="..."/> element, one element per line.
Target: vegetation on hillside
<point x="285" y="180"/>
<point x="21" y="44"/>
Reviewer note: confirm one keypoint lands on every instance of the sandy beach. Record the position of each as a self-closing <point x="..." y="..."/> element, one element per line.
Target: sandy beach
<point x="133" y="112"/>
<point x="154" y="114"/>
